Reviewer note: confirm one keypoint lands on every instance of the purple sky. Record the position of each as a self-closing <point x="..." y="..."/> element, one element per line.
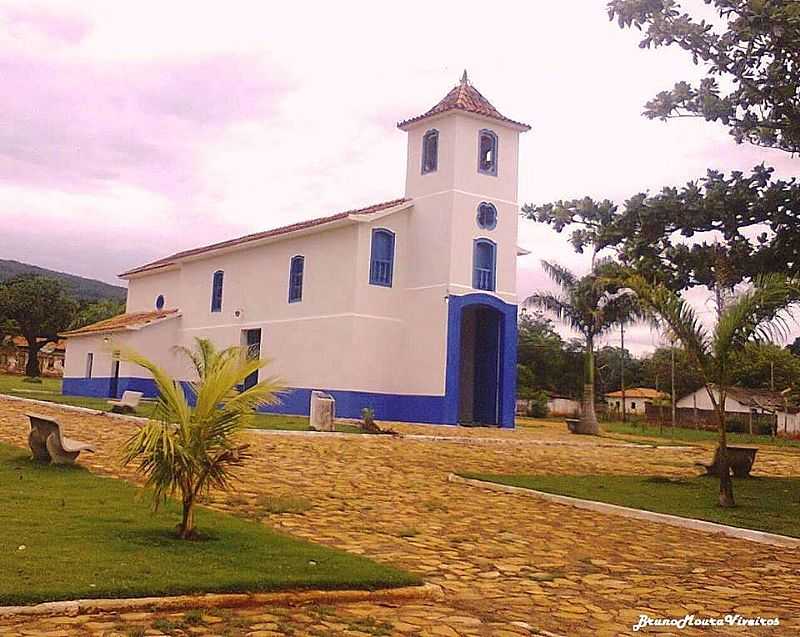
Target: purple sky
<point x="131" y="130"/>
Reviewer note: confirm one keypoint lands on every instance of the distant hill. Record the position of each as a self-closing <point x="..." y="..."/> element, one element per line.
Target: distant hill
<point x="80" y="287"/>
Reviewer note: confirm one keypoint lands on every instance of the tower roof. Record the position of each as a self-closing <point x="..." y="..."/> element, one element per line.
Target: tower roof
<point x="465" y="97"/>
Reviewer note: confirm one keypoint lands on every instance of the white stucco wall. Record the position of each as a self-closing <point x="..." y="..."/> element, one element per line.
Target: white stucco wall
<point x="142" y="295"/>
<point x="633" y="405"/>
<point x="704" y="402"/>
<point x="155" y="342"/>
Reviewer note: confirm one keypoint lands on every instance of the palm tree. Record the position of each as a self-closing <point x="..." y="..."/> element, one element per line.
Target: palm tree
<point x="590" y="305"/>
<point x="756" y="315"/>
<point x="204" y="355"/>
<point x="192" y="444"/>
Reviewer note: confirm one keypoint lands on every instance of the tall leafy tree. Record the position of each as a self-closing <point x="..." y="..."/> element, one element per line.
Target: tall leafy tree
<point x="751" y="55"/>
<point x="590" y="305"/>
<point x="95" y="311"/>
<point x="657" y="372"/>
<point x="610" y="360"/>
<point x="756" y="315"/>
<point x="540" y="354"/>
<point x="38" y="308"/>
<point x="766" y="366"/>
<point x="752" y="221"/>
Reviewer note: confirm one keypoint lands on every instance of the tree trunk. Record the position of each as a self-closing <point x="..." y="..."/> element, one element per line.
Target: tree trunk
<point x="32" y="365"/>
<point x="186" y="528"/>
<point x="588" y="424"/>
<point x="726" y="498"/>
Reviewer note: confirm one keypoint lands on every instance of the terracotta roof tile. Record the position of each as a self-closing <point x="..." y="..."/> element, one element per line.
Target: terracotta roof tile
<point x="170" y="260"/>
<point x="464" y="97"/>
<point x="133" y="320"/>
<point x="637" y="392"/>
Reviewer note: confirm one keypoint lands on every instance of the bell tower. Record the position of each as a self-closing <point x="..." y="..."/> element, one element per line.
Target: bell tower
<point x="462" y="164"/>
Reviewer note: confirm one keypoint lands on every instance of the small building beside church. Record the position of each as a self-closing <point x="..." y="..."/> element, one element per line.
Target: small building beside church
<point x="407" y="306"/>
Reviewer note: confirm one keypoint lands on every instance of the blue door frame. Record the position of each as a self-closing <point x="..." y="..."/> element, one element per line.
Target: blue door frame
<point x="507" y="353"/>
<point x="253" y="344"/>
<point x="113" y="385"/>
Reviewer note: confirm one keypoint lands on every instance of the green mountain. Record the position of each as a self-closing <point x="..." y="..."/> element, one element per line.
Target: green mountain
<point x="80" y="287"/>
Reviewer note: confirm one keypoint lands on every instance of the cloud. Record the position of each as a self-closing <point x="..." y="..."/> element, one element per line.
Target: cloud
<point x="46" y="23"/>
<point x="80" y="125"/>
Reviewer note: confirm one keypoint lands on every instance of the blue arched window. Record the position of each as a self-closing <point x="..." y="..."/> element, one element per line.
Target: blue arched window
<point x="296" y="279"/>
<point x="160" y="302"/>
<point x="430" y="151"/>
<point x="487" y="216"/>
<point x="216" y="291"/>
<point x="487" y="152"/>
<point x="484" y="260"/>
<point x="382" y="258"/>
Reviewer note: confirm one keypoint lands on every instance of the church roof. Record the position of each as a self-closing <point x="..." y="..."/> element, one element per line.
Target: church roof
<point x="295" y="227"/>
<point x="132" y="321"/>
<point x="465" y="97"/>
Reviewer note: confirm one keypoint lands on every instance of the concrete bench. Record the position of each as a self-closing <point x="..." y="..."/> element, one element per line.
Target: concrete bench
<point x="127" y="404"/>
<point x="740" y="462"/>
<point x="572" y="424"/>
<point x="48" y="443"/>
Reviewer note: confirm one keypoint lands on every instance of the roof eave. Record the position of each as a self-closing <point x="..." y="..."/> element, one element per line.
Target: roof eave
<point x="174" y="265"/>
<point x="375" y="216"/>
<point x="410" y="123"/>
<point x="123" y="328"/>
<point x="147" y="269"/>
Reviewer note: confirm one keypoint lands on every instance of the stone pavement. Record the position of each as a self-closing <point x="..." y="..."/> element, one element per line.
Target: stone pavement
<point x="508" y="565"/>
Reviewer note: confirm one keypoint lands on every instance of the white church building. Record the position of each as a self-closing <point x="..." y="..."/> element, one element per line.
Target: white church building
<point x="407" y="306"/>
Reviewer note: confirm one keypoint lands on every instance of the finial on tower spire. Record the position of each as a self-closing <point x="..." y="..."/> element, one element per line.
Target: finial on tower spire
<point x="464" y="78"/>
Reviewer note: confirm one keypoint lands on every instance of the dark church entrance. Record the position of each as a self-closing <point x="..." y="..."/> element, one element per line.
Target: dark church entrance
<point x="479" y="373"/>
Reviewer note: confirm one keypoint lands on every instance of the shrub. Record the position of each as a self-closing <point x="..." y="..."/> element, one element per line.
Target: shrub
<point x="537" y="405"/>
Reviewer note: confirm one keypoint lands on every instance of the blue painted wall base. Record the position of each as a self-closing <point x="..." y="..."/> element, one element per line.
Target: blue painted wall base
<point x="296" y="400"/>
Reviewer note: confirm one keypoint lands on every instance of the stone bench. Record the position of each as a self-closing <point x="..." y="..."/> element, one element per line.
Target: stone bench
<point x="48" y="444"/>
<point x="740" y="462"/>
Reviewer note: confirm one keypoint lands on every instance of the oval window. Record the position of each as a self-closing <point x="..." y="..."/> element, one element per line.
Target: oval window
<point x="160" y="302"/>
<point x="487" y="216"/>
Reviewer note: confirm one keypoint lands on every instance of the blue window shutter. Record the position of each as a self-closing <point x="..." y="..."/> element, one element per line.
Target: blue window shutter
<point x="381" y="268"/>
<point x="216" y="291"/>
<point x="296" y="279"/>
<point x="484" y="261"/>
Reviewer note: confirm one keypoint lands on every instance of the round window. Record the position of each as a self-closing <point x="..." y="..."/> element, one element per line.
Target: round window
<point x="160" y="302"/>
<point x="487" y="216"/>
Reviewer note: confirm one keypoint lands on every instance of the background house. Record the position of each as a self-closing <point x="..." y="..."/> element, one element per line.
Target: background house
<point x="14" y="356"/>
<point x="636" y="400"/>
<point x="746" y="409"/>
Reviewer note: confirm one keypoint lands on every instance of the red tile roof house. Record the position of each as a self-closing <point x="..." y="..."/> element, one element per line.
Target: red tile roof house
<point x="14" y="356"/>
<point x="636" y="400"/>
<point x="407" y="306"/>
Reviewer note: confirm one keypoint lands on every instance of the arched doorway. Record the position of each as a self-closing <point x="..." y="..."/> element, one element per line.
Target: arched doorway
<point x="480" y="365"/>
<point x="481" y="374"/>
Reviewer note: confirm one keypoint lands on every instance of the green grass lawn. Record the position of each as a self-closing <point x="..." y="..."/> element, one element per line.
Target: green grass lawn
<point x="50" y="390"/>
<point x="68" y="534"/>
<point x="278" y="422"/>
<point x="764" y="504"/>
<point x="684" y="434"/>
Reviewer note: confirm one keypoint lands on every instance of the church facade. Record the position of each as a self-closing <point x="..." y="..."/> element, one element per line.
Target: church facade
<point x="407" y="306"/>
